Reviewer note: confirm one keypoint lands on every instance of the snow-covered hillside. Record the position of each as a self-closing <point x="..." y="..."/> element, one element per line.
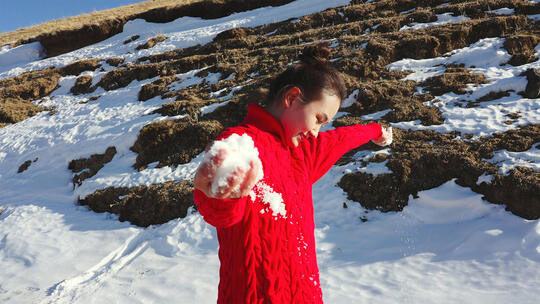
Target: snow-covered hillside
<point x="446" y="245"/>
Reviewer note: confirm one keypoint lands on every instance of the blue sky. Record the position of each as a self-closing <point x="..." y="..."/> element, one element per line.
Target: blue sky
<point x="16" y="14"/>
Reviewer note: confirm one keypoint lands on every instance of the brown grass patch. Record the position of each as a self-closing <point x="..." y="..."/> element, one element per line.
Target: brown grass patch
<point x="378" y="95"/>
<point x="173" y="142"/>
<point x="144" y="205"/>
<point x="24" y="166"/>
<point x="131" y="39"/>
<point x="115" y="61"/>
<point x="83" y="85"/>
<point x="521" y="47"/>
<point x="90" y="166"/>
<point x="17" y="93"/>
<point x="493" y="96"/>
<point x="150" y="43"/>
<point x="454" y="79"/>
<point x="424" y="160"/>
<point x="156" y="88"/>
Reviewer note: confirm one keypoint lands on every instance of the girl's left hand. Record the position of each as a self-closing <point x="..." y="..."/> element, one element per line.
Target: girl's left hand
<point x="386" y="137"/>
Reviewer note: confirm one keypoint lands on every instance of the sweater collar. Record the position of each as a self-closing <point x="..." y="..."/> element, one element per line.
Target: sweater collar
<point x="263" y="120"/>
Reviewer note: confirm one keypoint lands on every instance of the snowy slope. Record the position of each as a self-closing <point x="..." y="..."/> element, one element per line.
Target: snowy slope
<point x="447" y="246"/>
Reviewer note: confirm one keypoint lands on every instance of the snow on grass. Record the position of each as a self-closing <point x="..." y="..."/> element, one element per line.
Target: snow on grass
<point x="181" y="33"/>
<point x="441" y="19"/>
<point x="503" y="11"/>
<point x="487" y="57"/>
<point x="507" y="160"/>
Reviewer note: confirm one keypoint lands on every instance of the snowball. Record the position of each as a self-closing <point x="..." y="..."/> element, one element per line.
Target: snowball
<point x="241" y="151"/>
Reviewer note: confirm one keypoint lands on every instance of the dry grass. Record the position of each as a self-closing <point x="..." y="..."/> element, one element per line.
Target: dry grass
<point x="124" y="12"/>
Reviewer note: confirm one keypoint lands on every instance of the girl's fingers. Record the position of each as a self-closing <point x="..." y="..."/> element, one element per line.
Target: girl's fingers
<point x="217" y="160"/>
<point x="250" y="179"/>
<point x="233" y="184"/>
<point x="206" y="172"/>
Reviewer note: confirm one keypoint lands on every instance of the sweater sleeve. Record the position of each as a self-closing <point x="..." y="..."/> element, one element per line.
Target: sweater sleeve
<point x="328" y="147"/>
<point x="220" y="213"/>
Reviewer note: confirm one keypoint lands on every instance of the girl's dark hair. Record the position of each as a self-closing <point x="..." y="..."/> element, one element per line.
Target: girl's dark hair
<point x="311" y="75"/>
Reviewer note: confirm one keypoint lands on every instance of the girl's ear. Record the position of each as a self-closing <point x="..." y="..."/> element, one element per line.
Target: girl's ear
<point x="290" y="96"/>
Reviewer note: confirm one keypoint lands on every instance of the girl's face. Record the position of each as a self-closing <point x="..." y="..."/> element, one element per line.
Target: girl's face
<point x="300" y="120"/>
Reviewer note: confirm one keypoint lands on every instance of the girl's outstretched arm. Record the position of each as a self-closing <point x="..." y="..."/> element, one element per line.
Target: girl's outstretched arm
<point x="325" y="150"/>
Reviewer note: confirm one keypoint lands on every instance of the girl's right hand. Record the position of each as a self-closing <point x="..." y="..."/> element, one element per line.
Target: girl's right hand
<point x="239" y="183"/>
<point x="386" y="137"/>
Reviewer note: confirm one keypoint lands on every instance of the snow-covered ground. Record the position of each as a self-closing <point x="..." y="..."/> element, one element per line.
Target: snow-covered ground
<point x="447" y="246"/>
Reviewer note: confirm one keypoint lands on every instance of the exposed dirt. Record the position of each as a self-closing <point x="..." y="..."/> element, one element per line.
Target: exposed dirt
<point x="80" y="66"/>
<point x="518" y="191"/>
<point x="156" y="88"/>
<point x="90" y="166"/>
<point x="173" y="142"/>
<point x="423" y="160"/>
<point x="521" y="47"/>
<point x="17" y="94"/>
<point x="115" y="61"/>
<point x="144" y="205"/>
<point x="24" y="166"/>
<point x="83" y="85"/>
<point x="532" y="90"/>
<point x="131" y="39"/>
<point x="454" y="79"/>
<point x="150" y="43"/>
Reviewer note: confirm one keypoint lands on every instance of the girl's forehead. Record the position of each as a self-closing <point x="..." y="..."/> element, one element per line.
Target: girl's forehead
<point x="327" y="103"/>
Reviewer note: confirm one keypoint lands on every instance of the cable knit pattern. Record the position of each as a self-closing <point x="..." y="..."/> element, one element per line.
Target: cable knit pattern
<point x="269" y="257"/>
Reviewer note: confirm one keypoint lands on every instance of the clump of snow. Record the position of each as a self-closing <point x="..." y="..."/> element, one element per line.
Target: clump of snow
<point x="375" y="168"/>
<point x="441" y="19"/>
<point x="376" y="115"/>
<point x="486" y="53"/>
<point x="503" y="11"/>
<point x="350" y="100"/>
<point x="189" y="79"/>
<point x="21" y="55"/>
<point x="484" y="179"/>
<point x="240" y="153"/>
<point x="273" y="199"/>
<point x="534" y="17"/>
<point x="507" y="160"/>
<point x="455" y="202"/>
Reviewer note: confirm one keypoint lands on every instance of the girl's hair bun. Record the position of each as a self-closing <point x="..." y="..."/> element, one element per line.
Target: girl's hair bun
<point x="316" y="53"/>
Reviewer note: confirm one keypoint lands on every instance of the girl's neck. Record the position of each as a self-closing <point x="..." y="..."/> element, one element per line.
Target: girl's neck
<point x="275" y="110"/>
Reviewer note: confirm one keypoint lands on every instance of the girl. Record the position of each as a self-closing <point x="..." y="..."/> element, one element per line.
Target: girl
<point x="265" y="226"/>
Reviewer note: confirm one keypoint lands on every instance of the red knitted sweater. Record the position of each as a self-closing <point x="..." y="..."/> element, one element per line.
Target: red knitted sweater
<point x="267" y="255"/>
